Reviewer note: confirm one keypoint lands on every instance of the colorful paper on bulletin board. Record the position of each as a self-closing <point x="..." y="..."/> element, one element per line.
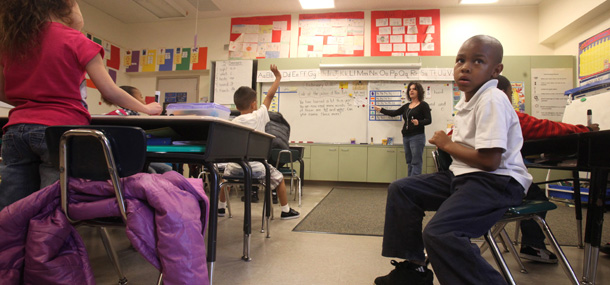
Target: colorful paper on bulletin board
<point x="331" y="34"/>
<point x="134" y="66"/>
<point x="199" y="58"/>
<point x="518" y="99"/>
<point x="149" y="60"/>
<point x="260" y="37"/>
<point x="405" y="33"/>
<point x="114" y="60"/>
<point x="168" y="60"/>
<point x="112" y="74"/>
<point x="97" y="40"/>
<point x="594" y="57"/>
<point x="185" y="59"/>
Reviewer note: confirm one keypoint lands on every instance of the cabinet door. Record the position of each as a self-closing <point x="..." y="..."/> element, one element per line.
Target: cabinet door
<point x="324" y="163"/>
<point x="352" y="163"/>
<point x="401" y="164"/>
<point x="381" y="164"/>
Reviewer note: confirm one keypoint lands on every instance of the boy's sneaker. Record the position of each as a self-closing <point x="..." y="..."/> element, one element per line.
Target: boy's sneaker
<point x="274" y="197"/>
<point x="254" y="198"/>
<point x="292" y="214"/>
<point x="537" y="254"/>
<point x="221" y="212"/>
<point x="406" y="273"/>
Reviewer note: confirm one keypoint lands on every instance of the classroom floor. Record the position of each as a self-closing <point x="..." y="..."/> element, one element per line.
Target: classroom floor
<point x="301" y="258"/>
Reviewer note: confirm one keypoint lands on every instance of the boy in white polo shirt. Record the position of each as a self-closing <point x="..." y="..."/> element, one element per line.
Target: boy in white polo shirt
<point x="486" y="177"/>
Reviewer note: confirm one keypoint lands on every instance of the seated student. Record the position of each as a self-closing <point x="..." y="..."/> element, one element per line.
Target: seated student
<point x="486" y="177"/>
<point x="155" y="167"/>
<point x="257" y="118"/>
<point x="532" y="239"/>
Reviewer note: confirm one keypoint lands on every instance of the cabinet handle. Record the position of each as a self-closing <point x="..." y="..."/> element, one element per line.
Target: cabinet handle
<point x="332" y="149"/>
<point x="391" y="150"/>
<point x="345" y="149"/>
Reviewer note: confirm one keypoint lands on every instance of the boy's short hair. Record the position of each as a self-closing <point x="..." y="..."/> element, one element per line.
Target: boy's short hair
<point x="498" y="50"/>
<point x="503" y="83"/>
<point x="243" y="97"/>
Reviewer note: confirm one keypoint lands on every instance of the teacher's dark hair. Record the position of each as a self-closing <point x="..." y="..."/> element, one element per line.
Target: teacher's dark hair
<point x="419" y="88"/>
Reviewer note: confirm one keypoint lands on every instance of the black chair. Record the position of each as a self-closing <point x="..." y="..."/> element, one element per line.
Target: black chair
<point x="527" y="210"/>
<point x="98" y="153"/>
<point x="283" y="157"/>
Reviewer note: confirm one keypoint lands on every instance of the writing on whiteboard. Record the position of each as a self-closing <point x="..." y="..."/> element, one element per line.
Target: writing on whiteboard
<point x="336" y="74"/>
<point x="230" y="75"/>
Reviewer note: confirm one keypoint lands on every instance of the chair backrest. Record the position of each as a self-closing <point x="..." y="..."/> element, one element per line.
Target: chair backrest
<point x="442" y="160"/>
<point x="96" y="153"/>
<point x="86" y="156"/>
<point x="280" y="157"/>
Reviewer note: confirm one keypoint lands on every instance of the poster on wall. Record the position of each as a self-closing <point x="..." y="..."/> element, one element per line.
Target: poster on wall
<point x="166" y="59"/>
<point x="548" y="87"/>
<point x="406" y="33"/>
<point x="331" y="34"/>
<point x="594" y="58"/>
<point x="260" y="37"/>
<point x="518" y="99"/>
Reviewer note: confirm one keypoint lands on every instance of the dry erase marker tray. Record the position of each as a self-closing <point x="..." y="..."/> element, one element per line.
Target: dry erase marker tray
<point x="176" y="148"/>
<point x="198" y="109"/>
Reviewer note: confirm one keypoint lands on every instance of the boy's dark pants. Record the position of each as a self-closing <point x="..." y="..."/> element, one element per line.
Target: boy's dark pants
<point x="466" y="207"/>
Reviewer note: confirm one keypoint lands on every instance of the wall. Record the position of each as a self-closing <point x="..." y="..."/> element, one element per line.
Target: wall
<point x="518" y="28"/>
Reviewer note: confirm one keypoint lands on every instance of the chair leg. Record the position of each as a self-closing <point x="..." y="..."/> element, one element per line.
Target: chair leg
<point x="112" y="254"/>
<point x="228" y="200"/>
<point x="495" y="251"/>
<point x="160" y="279"/>
<point x="299" y="190"/>
<point x="511" y="247"/>
<point x="265" y="219"/>
<point x="517" y="230"/>
<point x="567" y="268"/>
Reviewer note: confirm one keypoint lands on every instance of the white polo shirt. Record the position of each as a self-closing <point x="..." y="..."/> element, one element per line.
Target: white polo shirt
<point x="256" y="120"/>
<point x="488" y="120"/>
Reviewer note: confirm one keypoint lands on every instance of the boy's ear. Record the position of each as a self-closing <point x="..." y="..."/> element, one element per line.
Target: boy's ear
<point x="497" y="70"/>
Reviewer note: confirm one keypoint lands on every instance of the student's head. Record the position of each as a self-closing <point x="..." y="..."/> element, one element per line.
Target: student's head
<point x="21" y="21"/>
<point x="244" y="99"/>
<point x="478" y="60"/>
<point x="135" y="93"/>
<point x="504" y="85"/>
<point x="415" y="90"/>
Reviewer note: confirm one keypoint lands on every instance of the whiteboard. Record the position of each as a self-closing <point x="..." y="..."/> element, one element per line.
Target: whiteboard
<point x="229" y="75"/>
<point x="324" y="111"/>
<point x="576" y="112"/>
<point x="335" y="112"/>
<point x="439" y="95"/>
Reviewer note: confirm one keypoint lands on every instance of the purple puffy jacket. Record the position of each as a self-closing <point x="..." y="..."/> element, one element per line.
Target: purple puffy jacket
<point x="164" y="223"/>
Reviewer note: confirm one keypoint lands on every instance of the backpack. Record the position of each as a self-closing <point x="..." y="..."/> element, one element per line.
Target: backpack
<point x="279" y="127"/>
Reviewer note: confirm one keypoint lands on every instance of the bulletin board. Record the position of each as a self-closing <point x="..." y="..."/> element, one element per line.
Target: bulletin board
<point x="594" y="57"/>
<point x="406" y="32"/>
<point x="166" y="59"/>
<point x="260" y="37"/>
<point x="331" y="34"/>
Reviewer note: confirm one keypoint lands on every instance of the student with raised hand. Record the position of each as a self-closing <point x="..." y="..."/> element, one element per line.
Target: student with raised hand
<point x="257" y="118"/>
<point x="43" y="58"/>
<point x="416" y="115"/>
<point x="486" y="177"/>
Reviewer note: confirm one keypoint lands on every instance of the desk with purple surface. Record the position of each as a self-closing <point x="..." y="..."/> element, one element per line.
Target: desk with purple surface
<point x="587" y="152"/>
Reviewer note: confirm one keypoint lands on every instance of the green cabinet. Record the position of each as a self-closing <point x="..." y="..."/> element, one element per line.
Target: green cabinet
<point x="401" y="164"/>
<point x="324" y="163"/>
<point x="381" y="164"/>
<point x="352" y="163"/>
<point x="306" y="161"/>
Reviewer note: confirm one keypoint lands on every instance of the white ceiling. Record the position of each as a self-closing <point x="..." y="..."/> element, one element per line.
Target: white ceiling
<point x="128" y="11"/>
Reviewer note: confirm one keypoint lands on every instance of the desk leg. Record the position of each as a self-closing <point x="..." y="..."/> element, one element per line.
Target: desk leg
<point x="595" y="219"/>
<point x="213" y="218"/>
<point x="247" y="209"/>
<point x="267" y="203"/>
<point x="577" y="206"/>
<point x="302" y="172"/>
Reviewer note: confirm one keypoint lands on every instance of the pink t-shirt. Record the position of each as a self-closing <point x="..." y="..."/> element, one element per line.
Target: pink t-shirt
<point x="46" y="85"/>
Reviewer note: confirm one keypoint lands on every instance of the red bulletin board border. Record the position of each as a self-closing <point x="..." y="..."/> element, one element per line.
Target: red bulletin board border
<point x="421" y="29"/>
<point x="340" y="15"/>
<point x="259" y="20"/>
<point x="591" y="43"/>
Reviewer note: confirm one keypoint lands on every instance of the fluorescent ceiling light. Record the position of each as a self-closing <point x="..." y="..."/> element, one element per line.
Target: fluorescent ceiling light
<point x="317" y="4"/>
<point x="466" y="2"/>
<point x="163" y="8"/>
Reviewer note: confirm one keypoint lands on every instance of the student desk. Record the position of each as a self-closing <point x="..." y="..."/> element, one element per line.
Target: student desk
<point x="587" y="152"/>
<point x="225" y="142"/>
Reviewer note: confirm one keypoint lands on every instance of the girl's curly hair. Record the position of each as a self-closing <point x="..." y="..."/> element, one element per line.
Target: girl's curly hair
<point x="21" y="22"/>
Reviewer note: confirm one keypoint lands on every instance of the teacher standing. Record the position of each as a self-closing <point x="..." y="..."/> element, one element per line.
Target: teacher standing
<point x="416" y="114"/>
